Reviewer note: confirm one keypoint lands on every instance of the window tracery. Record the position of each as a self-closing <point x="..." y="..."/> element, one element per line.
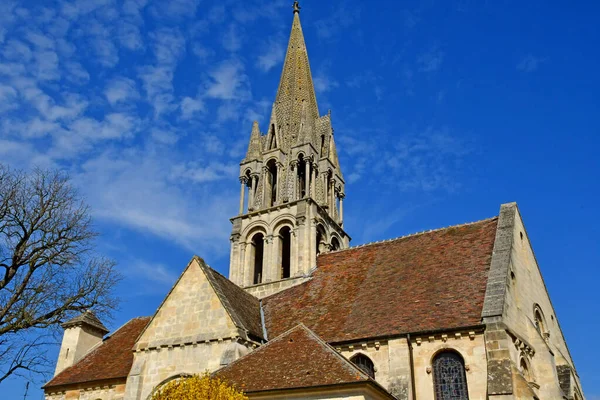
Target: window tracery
<point x="450" y="380"/>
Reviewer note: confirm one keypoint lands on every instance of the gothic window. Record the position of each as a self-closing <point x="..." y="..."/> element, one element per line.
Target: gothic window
<point x="335" y="244"/>
<point x="320" y="240"/>
<point x="286" y="251"/>
<point x="301" y="176"/>
<point x="258" y="250"/>
<point x="365" y="364"/>
<point x="272" y="182"/>
<point x="540" y="321"/>
<point x="524" y="367"/>
<point x="449" y="377"/>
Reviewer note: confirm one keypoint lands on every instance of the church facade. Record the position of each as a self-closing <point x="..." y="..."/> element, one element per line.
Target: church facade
<point x="454" y="313"/>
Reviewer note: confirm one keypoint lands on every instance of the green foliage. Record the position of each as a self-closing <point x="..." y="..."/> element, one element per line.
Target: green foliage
<point x="198" y="387"/>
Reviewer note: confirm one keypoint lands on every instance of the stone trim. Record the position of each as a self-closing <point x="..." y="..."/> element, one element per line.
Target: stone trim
<point x="495" y="292"/>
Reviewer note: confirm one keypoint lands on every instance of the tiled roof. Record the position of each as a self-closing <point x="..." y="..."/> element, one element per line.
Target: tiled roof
<point x="86" y="318"/>
<point x="424" y="282"/>
<point x="295" y="359"/>
<point x="111" y="360"/>
<point x="243" y="308"/>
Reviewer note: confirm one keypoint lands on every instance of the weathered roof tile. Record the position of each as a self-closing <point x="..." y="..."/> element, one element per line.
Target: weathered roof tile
<point x="430" y="281"/>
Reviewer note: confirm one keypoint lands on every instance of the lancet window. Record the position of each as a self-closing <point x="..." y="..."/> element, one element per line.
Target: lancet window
<point x="285" y="237"/>
<point x="449" y="376"/>
<point x="271" y="176"/>
<point x="335" y="244"/>
<point x="257" y="257"/>
<point x="302" y="177"/>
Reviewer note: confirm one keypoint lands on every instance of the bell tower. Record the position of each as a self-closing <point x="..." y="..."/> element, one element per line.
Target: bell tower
<point x="292" y="188"/>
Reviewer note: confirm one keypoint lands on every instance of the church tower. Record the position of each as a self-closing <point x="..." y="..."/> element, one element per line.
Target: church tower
<point x="292" y="188"/>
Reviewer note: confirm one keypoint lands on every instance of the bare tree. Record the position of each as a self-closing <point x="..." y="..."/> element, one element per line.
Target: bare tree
<point x="49" y="271"/>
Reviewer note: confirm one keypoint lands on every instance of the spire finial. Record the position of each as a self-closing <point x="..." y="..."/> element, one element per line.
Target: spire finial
<point x="296" y="7"/>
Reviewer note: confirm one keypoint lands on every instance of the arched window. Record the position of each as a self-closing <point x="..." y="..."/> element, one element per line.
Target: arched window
<point x="258" y="250"/>
<point x="301" y="177"/>
<point x="540" y="321"/>
<point x="449" y="377"/>
<point x="524" y="367"/>
<point x="320" y="240"/>
<point x="365" y="364"/>
<point x="271" y="183"/>
<point x="286" y="251"/>
<point x="335" y="244"/>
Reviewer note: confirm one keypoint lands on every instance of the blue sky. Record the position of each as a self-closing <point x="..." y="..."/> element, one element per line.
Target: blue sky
<point x="442" y="111"/>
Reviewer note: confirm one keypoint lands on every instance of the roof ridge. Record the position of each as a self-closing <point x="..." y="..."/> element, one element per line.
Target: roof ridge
<point x="411" y="235"/>
<point x="330" y="348"/>
<point x="232" y="311"/>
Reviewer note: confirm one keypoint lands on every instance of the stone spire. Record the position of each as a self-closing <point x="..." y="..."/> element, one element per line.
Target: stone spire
<point x="254" y="147"/>
<point x="291" y="185"/>
<point x="295" y="87"/>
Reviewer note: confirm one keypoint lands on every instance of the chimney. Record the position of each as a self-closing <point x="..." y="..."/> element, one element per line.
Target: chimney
<point x="81" y="334"/>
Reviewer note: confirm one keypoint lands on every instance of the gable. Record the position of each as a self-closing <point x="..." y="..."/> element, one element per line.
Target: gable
<point x="295" y="359"/>
<point x="193" y="311"/>
<point x="424" y="282"/>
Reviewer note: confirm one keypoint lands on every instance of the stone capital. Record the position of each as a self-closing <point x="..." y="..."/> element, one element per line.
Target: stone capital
<point x="244" y="179"/>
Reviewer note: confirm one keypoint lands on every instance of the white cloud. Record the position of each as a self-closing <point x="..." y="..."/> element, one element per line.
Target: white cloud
<point x="120" y="89"/>
<point x="191" y="107"/>
<point x="108" y="55"/>
<point x="272" y="56"/>
<point x="129" y="36"/>
<point x="231" y="39"/>
<point x="76" y="9"/>
<point x="17" y="51"/>
<point x="134" y="189"/>
<point x="324" y="83"/>
<point x="8" y="96"/>
<point x="198" y="174"/>
<point x="175" y="9"/>
<point x="158" y="84"/>
<point x="76" y="73"/>
<point x="39" y="40"/>
<point x="158" y="273"/>
<point x="168" y="45"/>
<point x="228" y="82"/>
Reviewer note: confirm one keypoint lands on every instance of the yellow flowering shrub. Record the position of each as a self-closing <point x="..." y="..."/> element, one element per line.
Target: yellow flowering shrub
<point x="198" y="387"/>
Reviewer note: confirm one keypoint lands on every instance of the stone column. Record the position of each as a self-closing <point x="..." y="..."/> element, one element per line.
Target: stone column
<point x="294" y="252"/>
<point x="275" y="270"/>
<point x="312" y="244"/>
<point x="294" y="177"/>
<point x="302" y="245"/>
<point x="307" y="177"/>
<point x="313" y="182"/>
<point x="341" y="219"/>
<point x="243" y="182"/>
<point x="330" y="197"/>
<point x="265" y="201"/>
<point x="242" y="269"/>
<point x="267" y="259"/>
<point x="279" y="198"/>
<point x="253" y="184"/>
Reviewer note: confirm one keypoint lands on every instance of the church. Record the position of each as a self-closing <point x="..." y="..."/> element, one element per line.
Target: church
<point x="454" y="313"/>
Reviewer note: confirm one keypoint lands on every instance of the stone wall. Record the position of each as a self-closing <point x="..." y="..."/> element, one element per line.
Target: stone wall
<point x="470" y="345"/>
<point x="392" y="362"/>
<point x="190" y="333"/>
<point x="523" y="354"/>
<point x="94" y="392"/>
<point x="266" y="289"/>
